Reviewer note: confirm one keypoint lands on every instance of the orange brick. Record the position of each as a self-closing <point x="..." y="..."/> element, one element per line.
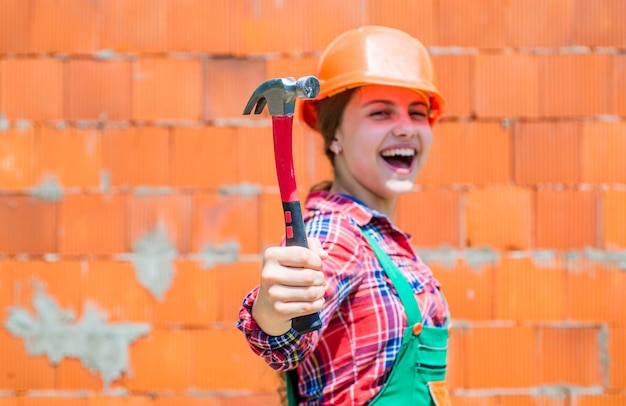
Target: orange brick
<point x="564" y="349"/>
<point x="531" y="400"/>
<point x="7" y="282"/>
<point x="272" y="219"/>
<point x="115" y="289"/>
<point x="618" y="86"/>
<point x="599" y="24"/>
<point x="193" y="147"/>
<point x="72" y="156"/>
<point x="453" y="80"/>
<point x="262" y="26"/>
<point x="170" y="350"/>
<point x="189" y="400"/>
<point x="234" y="282"/>
<point x="252" y="399"/>
<point x="616" y="399"/>
<point x="456" y="373"/>
<point x="148" y="399"/>
<point x="617" y="357"/>
<point x="472" y="400"/>
<point x="320" y="30"/>
<point x="9" y="401"/>
<point x="135" y="26"/>
<point x="519" y="74"/>
<point x="239" y="368"/>
<point x="99" y="90"/>
<point x="519" y="295"/>
<point x="200" y="26"/>
<point x="566" y="219"/>
<point x="29" y="225"/>
<point x="63" y="26"/>
<point x="228" y="85"/>
<point x="54" y="400"/>
<point x="72" y="375"/>
<point x="14" y="28"/>
<point x="479" y="25"/>
<point x="256" y="156"/>
<point x="530" y="24"/>
<point x="603" y="152"/>
<point x="17" y="158"/>
<point x="404" y="15"/>
<point x="614" y="219"/>
<point x="21" y="371"/>
<point x="469" y="289"/>
<point x="296" y="67"/>
<point x="22" y="83"/>
<point x="167" y="89"/>
<point x="192" y="298"/>
<point x="591" y="73"/>
<point x="432" y="217"/>
<point x="499" y="218"/>
<point x="464" y="148"/>
<point x="489" y="349"/>
<point x="587" y="276"/>
<point x="93" y="224"/>
<point x="136" y="156"/>
<point x="548" y="152"/>
<point x="169" y="214"/>
<point x="220" y="220"/>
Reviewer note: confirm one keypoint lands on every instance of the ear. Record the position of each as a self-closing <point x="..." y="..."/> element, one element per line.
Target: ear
<point x="336" y="147"/>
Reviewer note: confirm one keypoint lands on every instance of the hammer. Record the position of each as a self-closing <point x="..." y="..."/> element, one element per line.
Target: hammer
<point x="280" y="97"/>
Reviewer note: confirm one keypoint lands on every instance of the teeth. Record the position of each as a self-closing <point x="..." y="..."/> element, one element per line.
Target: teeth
<point x="398" y="152"/>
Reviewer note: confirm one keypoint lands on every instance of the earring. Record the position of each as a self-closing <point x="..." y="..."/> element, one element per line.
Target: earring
<point x="335" y="148"/>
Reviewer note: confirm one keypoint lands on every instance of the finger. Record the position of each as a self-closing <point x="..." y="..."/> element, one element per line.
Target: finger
<point x="288" y="276"/>
<point x="298" y="308"/>
<point x="294" y="257"/>
<point x="295" y="294"/>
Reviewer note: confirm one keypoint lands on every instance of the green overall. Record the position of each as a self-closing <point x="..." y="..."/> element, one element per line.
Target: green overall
<point x="418" y="374"/>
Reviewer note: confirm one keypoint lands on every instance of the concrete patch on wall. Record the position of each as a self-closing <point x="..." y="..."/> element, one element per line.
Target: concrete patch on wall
<point x="212" y="255"/>
<point x="153" y="257"/>
<point x="49" y="189"/>
<point x="4" y="123"/>
<point x="51" y="331"/>
<point x="242" y="189"/>
<point x="579" y="260"/>
<point x="476" y="258"/>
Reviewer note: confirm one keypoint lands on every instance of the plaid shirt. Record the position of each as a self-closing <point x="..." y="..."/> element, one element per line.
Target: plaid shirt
<point x="363" y="321"/>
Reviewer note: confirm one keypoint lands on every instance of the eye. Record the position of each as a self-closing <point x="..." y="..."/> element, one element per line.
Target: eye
<point x="419" y="115"/>
<point x="380" y="114"/>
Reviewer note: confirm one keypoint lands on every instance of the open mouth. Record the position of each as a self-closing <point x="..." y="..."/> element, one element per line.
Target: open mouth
<point x="401" y="158"/>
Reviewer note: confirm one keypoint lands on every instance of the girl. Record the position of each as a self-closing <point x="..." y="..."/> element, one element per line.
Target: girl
<point x="384" y="331"/>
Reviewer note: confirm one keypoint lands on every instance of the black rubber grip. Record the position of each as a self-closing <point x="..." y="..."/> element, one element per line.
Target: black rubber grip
<point x="295" y="235"/>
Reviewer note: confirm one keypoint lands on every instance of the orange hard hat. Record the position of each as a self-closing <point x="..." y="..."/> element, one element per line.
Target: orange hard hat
<point x="374" y="55"/>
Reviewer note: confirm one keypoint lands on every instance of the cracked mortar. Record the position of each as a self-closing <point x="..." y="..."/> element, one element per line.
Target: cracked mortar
<point x="99" y="346"/>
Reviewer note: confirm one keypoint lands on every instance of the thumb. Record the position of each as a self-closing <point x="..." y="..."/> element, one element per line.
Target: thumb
<point x="316" y="246"/>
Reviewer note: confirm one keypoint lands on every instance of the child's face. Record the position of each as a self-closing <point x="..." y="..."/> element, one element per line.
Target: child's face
<point x="385" y="139"/>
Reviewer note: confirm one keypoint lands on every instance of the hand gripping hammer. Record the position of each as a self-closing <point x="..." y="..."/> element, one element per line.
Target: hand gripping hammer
<point x="280" y="97"/>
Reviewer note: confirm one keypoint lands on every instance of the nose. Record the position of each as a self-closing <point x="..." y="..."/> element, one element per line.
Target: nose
<point x="405" y="127"/>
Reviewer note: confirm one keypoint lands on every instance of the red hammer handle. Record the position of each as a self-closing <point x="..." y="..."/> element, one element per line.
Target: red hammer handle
<point x="294" y="226"/>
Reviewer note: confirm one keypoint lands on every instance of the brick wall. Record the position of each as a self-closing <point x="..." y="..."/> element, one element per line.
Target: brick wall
<point x="135" y="199"/>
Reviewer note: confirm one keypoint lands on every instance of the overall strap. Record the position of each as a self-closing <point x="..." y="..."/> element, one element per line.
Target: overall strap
<point x="405" y="292"/>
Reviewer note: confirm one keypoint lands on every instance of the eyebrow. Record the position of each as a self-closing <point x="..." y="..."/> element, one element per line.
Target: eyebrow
<point x="389" y="103"/>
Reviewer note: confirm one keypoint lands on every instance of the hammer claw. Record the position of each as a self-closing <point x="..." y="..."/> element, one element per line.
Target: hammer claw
<point x="280" y="95"/>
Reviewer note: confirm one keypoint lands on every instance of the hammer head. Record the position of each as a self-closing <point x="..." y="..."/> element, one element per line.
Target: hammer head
<point x="280" y="95"/>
